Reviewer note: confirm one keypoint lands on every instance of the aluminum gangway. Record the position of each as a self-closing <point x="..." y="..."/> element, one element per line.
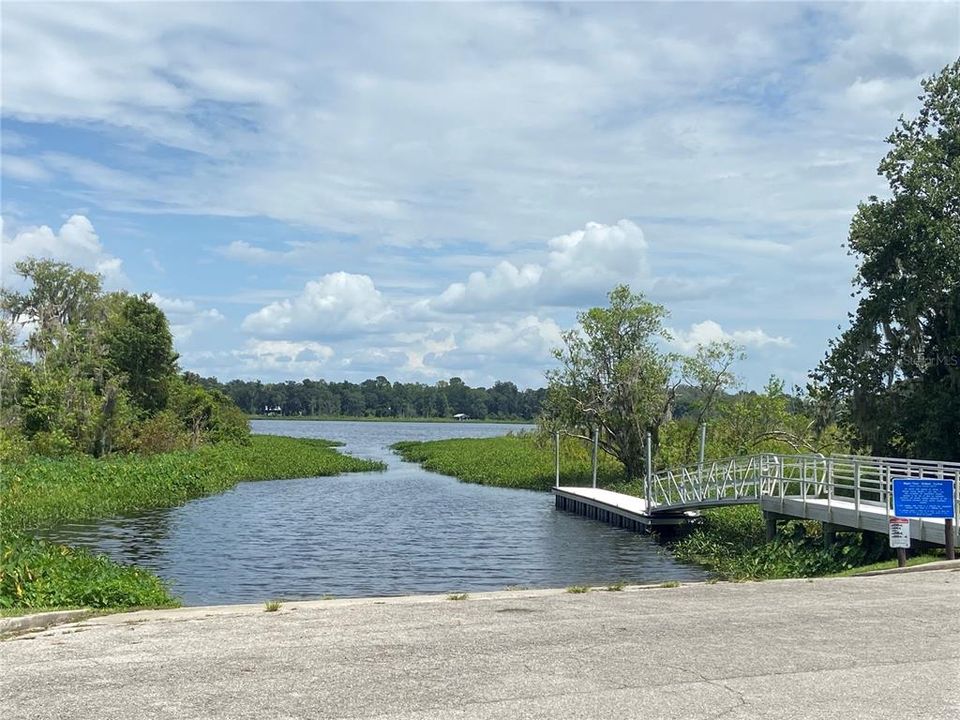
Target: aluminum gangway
<point x="843" y="491"/>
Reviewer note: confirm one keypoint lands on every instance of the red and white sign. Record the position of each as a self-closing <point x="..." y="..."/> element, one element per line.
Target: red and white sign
<point x="899" y="532"/>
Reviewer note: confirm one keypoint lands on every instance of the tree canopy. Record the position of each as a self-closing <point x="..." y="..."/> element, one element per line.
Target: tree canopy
<point x="893" y="376"/>
<point x="615" y="378"/>
<point x="84" y="371"/>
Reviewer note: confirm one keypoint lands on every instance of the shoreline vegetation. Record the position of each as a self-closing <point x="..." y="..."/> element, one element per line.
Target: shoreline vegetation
<point x="375" y="419"/>
<point x="39" y="492"/>
<point x="730" y="542"/>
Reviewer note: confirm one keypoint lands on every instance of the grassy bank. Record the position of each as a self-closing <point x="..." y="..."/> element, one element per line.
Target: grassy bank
<point x="728" y="541"/>
<point x="42" y="492"/>
<point x="516" y="461"/>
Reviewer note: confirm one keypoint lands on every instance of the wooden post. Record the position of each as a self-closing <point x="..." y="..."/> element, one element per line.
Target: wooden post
<point x="901" y="557"/>
<point x="949" y="539"/>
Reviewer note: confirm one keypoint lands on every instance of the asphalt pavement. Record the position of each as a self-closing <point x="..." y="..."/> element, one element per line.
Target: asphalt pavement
<point x="870" y="647"/>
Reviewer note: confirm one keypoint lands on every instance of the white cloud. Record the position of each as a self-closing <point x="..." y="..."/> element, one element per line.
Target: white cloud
<point x="422" y="351"/>
<point x="185" y="318"/>
<point x="17" y="167"/>
<point x="708" y="331"/>
<point x="245" y="252"/>
<point x="400" y="142"/>
<point x="173" y="305"/>
<point x="286" y="351"/>
<point x="76" y="242"/>
<point x="528" y="338"/>
<point x="580" y="264"/>
<point x="336" y="305"/>
<point x="740" y="137"/>
<point x="184" y="329"/>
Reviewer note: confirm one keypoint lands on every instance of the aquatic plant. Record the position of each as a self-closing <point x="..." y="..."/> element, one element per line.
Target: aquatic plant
<point x="525" y="460"/>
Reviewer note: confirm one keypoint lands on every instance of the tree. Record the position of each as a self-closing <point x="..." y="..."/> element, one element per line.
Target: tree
<point x="614" y="378"/>
<point x="893" y="377"/>
<point x="139" y="346"/>
<point x="60" y="298"/>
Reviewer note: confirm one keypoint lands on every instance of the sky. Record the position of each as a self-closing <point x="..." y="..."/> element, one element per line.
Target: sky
<point x="424" y="191"/>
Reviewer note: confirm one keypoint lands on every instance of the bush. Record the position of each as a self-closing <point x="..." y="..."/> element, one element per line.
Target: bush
<point x="731" y="542"/>
<point x="13" y="446"/>
<point x="35" y="574"/>
<point x="161" y="433"/>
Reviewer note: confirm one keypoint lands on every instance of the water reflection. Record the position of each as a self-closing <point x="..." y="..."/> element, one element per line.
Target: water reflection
<point x="394" y="532"/>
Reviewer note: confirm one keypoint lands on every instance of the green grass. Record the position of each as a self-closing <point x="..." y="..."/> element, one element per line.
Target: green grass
<point x="525" y="460"/>
<point x="42" y="492"/>
<point x="578" y="589"/>
<point x="272" y="605"/>
<point x="888" y="564"/>
<point x="457" y="596"/>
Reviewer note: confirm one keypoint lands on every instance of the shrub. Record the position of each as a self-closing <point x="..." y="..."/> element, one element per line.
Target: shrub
<point x="35" y="574"/>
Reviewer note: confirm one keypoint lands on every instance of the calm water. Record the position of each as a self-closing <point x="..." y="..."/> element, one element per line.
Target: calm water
<point x="400" y="531"/>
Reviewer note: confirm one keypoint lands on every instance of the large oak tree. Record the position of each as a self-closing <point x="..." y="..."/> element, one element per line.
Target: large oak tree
<point x="893" y="376"/>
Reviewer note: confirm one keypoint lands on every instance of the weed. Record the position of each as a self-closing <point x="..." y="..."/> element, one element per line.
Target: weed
<point x="669" y="584"/>
<point x="524" y="461"/>
<point x="577" y="589"/>
<point x="617" y="586"/>
<point x="457" y="596"/>
<point x="730" y="542"/>
<point x="272" y="605"/>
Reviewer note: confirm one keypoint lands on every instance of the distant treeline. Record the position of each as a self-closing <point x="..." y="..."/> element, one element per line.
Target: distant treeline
<point x="380" y="398"/>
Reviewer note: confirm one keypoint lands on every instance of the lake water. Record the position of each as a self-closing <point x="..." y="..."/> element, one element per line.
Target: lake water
<point x="402" y="530"/>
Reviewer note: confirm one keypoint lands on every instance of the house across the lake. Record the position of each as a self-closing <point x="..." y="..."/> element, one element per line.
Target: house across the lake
<point x="461" y="416"/>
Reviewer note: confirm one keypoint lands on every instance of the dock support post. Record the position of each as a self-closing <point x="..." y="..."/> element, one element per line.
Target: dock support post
<point x="829" y="535"/>
<point x="770" y="520"/>
<point x="949" y="539"/>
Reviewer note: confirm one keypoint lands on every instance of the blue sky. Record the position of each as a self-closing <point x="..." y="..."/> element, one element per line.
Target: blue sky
<point x="429" y="190"/>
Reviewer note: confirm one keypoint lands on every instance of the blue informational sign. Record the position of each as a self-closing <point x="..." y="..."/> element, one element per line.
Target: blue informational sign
<point x="920" y="498"/>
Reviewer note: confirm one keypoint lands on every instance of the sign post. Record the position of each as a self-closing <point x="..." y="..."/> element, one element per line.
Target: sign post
<point x="925" y="498"/>
<point x="900" y="538"/>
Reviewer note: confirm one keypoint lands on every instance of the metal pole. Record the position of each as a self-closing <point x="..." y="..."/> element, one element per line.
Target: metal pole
<point x="596" y="442"/>
<point x="649" y="483"/>
<point x="703" y="441"/>
<point x="557" y="448"/>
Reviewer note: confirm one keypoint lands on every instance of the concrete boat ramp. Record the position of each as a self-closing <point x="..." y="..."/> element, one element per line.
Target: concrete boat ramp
<point x="874" y="648"/>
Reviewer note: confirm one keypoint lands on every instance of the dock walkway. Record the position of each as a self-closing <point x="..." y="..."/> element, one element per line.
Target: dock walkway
<point x="844" y="492"/>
